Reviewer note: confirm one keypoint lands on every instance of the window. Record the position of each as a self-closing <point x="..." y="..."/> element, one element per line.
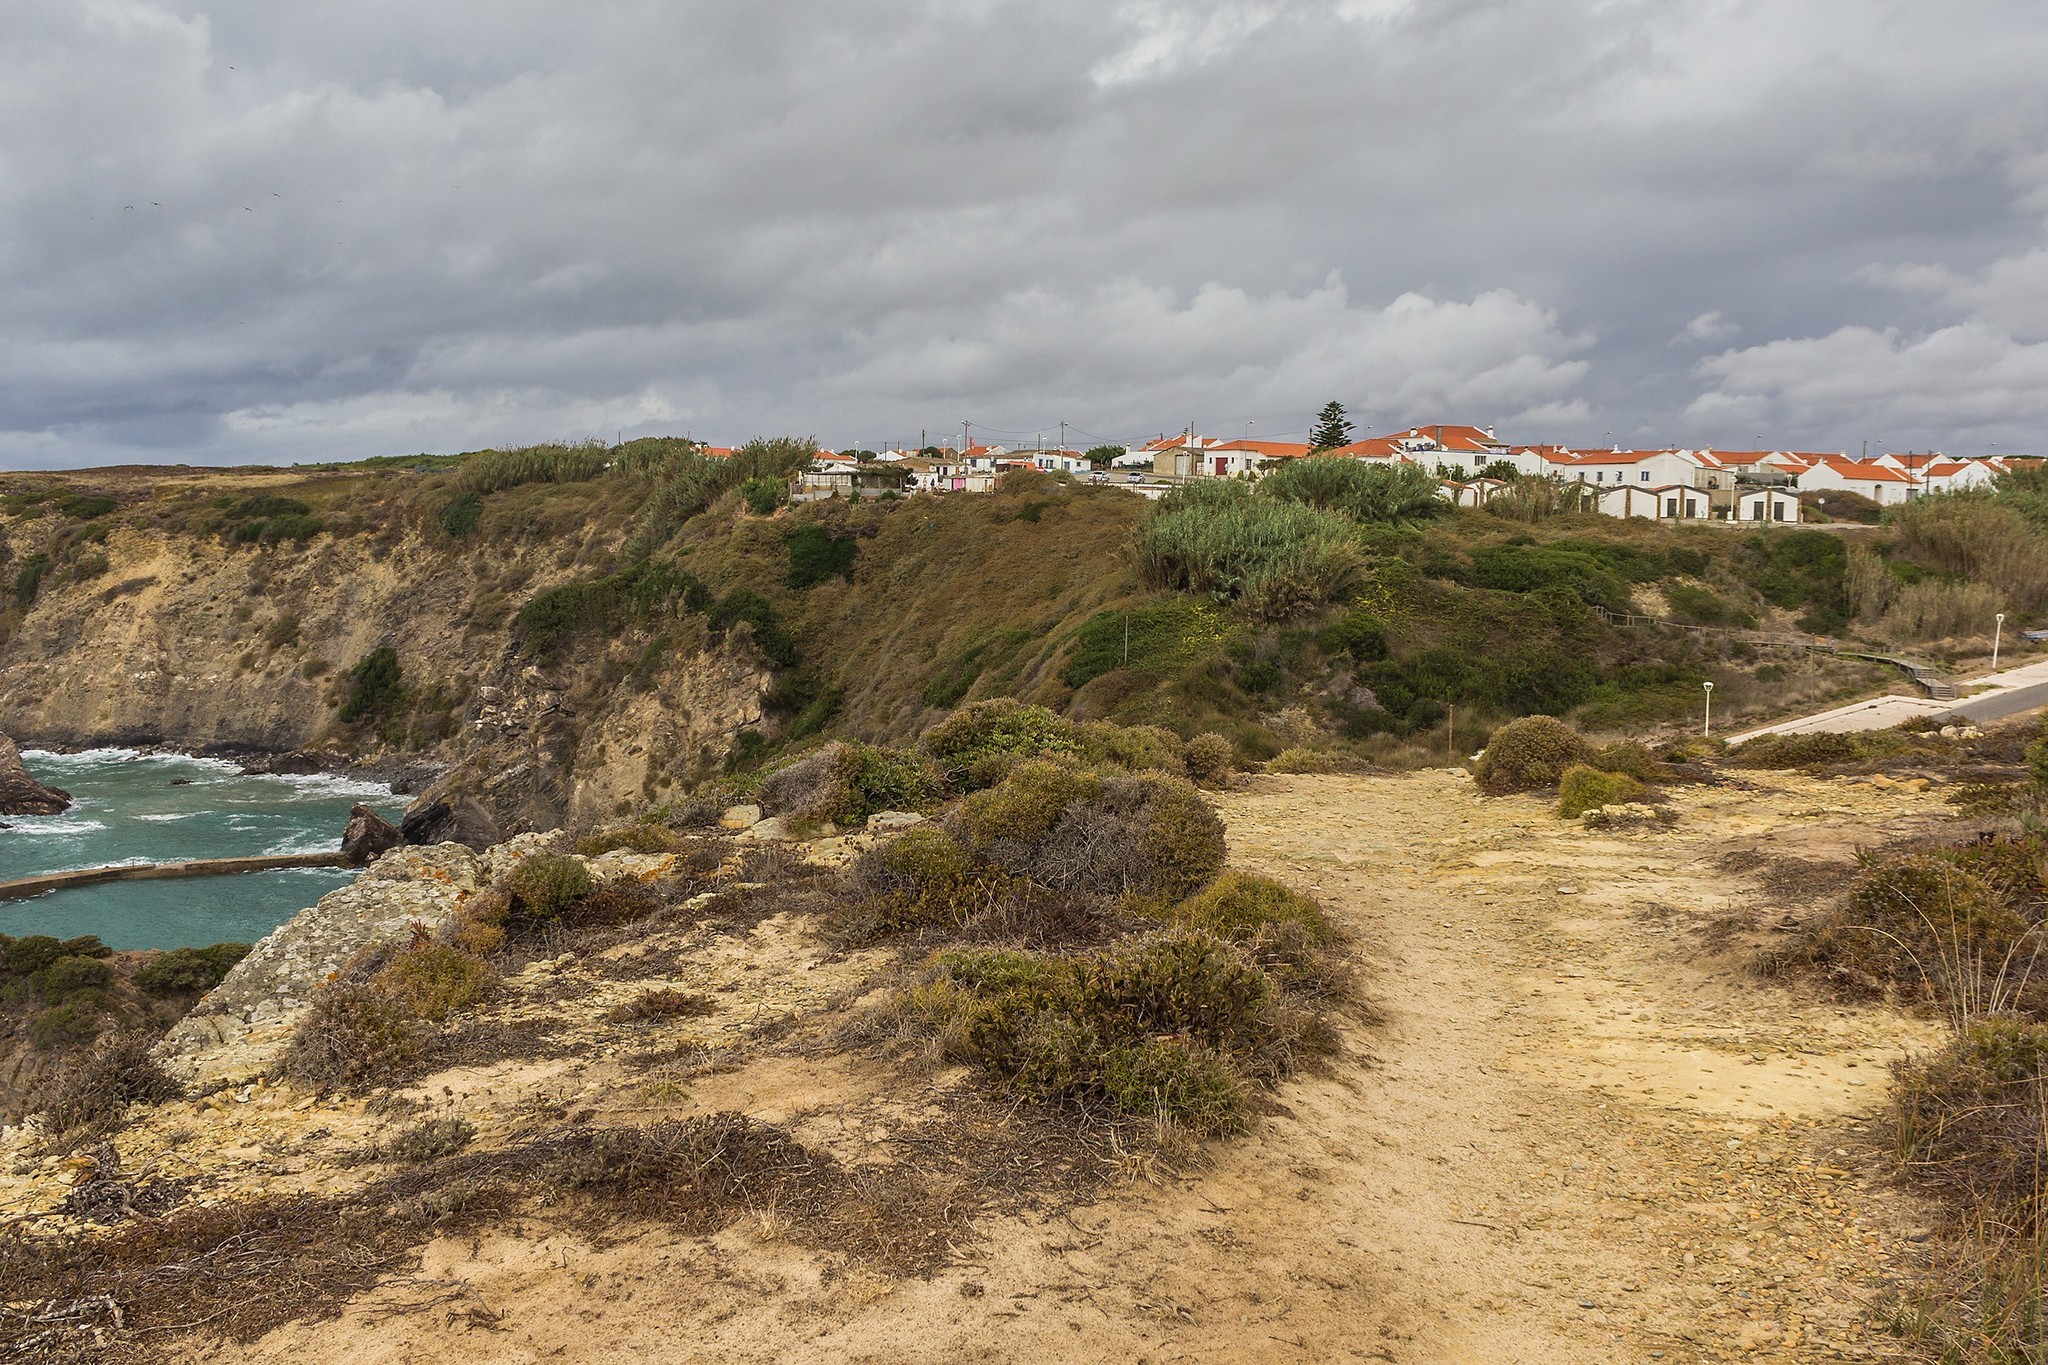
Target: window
<point x="1646" y="476"/>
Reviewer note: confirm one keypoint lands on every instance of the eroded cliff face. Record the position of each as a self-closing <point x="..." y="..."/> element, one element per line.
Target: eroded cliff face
<point x="187" y="644"/>
<point x="183" y="642"/>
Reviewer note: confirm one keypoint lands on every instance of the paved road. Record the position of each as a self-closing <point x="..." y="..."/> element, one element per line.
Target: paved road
<point x="1992" y="697"/>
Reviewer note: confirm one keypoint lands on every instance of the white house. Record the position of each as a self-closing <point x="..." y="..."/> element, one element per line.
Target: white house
<point x="1767" y="504"/>
<point x="1879" y="482"/>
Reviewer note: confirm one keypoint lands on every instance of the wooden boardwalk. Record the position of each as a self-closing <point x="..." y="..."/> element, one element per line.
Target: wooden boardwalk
<point x="25" y="887"/>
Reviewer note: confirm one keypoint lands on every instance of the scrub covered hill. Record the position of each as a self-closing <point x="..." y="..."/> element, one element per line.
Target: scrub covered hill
<point x="618" y="624"/>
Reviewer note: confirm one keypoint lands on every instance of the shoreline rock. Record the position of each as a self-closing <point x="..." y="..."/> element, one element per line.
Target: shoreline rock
<point x="21" y="794"/>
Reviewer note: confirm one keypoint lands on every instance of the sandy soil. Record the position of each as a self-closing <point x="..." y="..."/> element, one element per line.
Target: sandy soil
<point x="1577" y="1131"/>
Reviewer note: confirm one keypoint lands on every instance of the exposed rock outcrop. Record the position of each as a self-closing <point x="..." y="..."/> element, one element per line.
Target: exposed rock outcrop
<point x="244" y="1024"/>
<point x="368" y="836"/>
<point x="21" y="794"/>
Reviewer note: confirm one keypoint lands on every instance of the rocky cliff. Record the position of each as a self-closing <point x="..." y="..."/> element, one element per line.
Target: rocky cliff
<point x="185" y="643"/>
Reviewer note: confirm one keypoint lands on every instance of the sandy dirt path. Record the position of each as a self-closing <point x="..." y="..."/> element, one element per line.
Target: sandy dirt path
<point x="1577" y="1132"/>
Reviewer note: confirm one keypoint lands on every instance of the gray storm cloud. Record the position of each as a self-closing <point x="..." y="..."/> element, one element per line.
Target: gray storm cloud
<point x="240" y="231"/>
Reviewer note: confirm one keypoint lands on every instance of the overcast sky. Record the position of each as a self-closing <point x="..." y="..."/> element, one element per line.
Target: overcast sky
<point x="272" y="230"/>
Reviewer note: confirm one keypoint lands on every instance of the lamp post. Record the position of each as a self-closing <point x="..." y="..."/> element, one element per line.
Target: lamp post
<point x="1997" y="633"/>
<point x="1708" y="731"/>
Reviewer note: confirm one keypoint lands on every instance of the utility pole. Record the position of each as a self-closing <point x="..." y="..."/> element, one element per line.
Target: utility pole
<point x="1063" y="438"/>
<point x="963" y="441"/>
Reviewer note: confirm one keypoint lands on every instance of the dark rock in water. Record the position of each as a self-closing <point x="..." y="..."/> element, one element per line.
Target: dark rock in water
<point x="299" y="763"/>
<point x="368" y="834"/>
<point x="433" y="820"/>
<point x="181" y="782"/>
<point x="21" y="794"/>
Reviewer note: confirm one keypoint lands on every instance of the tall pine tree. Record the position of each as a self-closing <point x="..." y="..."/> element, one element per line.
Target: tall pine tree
<point x="1333" y="429"/>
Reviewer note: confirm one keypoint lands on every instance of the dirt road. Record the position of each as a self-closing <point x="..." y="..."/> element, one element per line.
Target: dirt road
<point x="1577" y="1132"/>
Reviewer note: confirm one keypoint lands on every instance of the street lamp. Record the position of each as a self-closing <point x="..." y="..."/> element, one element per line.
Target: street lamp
<point x="1997" y="632"/>
<point x="1708" y="732"/>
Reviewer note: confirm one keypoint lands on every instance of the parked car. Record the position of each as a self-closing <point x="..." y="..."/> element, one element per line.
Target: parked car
<point x="1134" y="477"/>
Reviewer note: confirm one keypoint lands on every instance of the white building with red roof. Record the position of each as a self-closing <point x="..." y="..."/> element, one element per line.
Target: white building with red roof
<point x="1879" y="482"/>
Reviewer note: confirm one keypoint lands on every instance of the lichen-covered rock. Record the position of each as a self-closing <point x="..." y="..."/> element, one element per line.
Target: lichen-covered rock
<point x="21" y="794"/>
<point x="244" y="1024"/>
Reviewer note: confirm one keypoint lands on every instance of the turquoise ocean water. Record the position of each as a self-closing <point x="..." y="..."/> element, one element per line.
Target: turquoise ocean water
<point x="130" y="807"/>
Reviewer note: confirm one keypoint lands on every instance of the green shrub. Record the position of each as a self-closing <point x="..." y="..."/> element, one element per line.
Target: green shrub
<point x="459" y="518"/>
<point x="186" y="971"/>
<point x="1186" y="983"/>
<point x="1301" y="758"/>
<point x="1239" y="906"/>
<point x="63" y="1025"/>
<point x="762" y="496"/>
<point x="67" y="976"/>
<point x="1140" y="748"/>
<point x="1156" y="638"/>
<point x="354" y="1035"/>
<point x="1395" y="493"/>
<point x="1143" y="835"/>
<point x="1359" y="633"/>
<point x="28" y="580"/>
<point x="815" y="555"/>
<point x="1277" y="559"/>
<point x="1698" y="606"/>
<point x="1816" y="750"/>
<point x="1630" y="757"/>
<point x="1970" y="1124"/>
<point x="847" y="782"/>
<point x="492" y="471"/>
<point x="1176" y="1079"/>
<point x="1584" y="787"/>
<point x="974" y="746"/>
<point x="31" y="953"/>
<point x="375" y="688"/>
<point x="548" y="884"/>
<point x="636" y="838"/>
<point x="1151" y="1028"/>
<point x="746" y="605"/>
<point x="1921" y="923"/>
<point x="433" y="980"/>
<point x="1529" y="754"/>
<point x="1009" y="821"/>
<point x="1530" y="568"/>
<point x="1211" y="760"/>
<point x="651" y="590"/>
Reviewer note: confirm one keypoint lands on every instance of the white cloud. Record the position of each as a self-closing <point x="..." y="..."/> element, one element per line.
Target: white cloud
<point x="1710" y="327"/>
<point x="1967" y="379"/>
<point x="1169" y="36"/>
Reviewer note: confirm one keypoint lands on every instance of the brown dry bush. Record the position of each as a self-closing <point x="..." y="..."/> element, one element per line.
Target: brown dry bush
<point x="1176" y="1026"/>
<point x="370" y="1025"/>
<point x="1211" y="760"/>
<point x="87" y="1101"/>
<point x="1146" y="836"/>
<point x="236" y="1270"/>
<point x="1970" y="1124"/>
<point x="1957" y="927"/>
<point x="641" y="837"/>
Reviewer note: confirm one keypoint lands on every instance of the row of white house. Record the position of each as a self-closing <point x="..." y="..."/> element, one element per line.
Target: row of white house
<point x="1672" y="484"/>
